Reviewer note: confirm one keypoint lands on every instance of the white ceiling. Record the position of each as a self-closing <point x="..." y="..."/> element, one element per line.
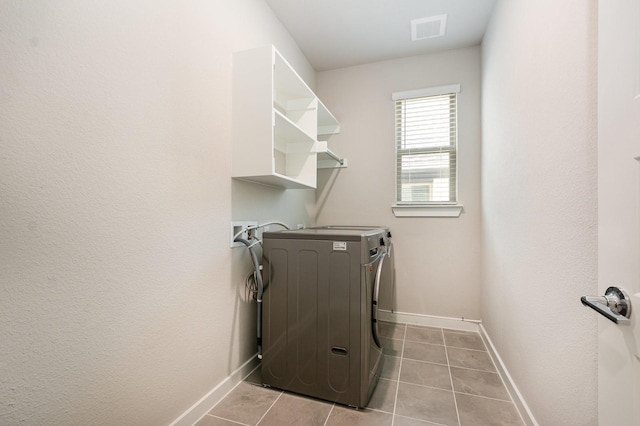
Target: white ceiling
<point x="340" y="33"/>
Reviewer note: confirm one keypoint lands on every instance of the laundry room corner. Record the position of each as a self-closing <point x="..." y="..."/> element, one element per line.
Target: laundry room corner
<point x="437" y="259"/>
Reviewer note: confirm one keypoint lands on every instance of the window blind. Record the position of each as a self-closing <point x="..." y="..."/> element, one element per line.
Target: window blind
<point x="426" y="148"/>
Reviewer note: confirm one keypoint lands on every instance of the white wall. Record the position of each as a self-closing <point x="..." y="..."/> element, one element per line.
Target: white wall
<point x="117" y="300"/>
<point x="539" y="202"/>
<point x="437" y="261"/>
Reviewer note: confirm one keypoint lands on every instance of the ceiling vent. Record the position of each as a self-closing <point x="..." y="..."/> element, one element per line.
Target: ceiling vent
<point x="429" y="27"/>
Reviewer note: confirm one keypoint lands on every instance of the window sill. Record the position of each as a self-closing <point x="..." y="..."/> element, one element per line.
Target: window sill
<point x="441" y="210"/>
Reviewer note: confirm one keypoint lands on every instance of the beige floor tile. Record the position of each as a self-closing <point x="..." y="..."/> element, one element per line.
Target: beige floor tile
<point x="384" y="395"/>
<point x="424" y="403"/>
<point x="390" y="368"/>
<point x="480" y="383"/>
<point x="467" y="358"/>
<point x="341" y="416"/>
<point x="295" y="409"/>
<point x="247" y="403"/>
<point x="425" y="374"/>
<point x="424" y="335"/>
<point x="391" y="347"/>
<point x="214" y="421"/>
<point x="425" y="352"/>
<point x="391" y="330"/>
<point x="465" y="340"/>
<point x="406" y="421"/>
<point x="479" y="411"/>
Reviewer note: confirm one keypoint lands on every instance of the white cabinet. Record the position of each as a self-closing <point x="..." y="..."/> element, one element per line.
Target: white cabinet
<point x="277" y="122"/>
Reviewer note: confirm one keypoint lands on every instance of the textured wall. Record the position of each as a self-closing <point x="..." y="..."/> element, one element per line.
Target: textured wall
<point x="539" y="202"/>
<point x="438" y="261"/>
<point x="117" y="303"/>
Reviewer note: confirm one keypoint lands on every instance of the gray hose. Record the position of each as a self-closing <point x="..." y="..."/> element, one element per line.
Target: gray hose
<point x="256" y="266"/>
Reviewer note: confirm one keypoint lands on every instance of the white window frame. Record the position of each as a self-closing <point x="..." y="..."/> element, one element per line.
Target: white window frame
<point x="431" y="209"/>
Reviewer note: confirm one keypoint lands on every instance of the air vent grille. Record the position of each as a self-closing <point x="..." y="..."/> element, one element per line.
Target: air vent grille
<point x="428" y="27"/>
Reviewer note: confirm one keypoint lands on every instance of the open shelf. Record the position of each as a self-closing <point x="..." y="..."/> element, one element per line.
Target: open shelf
<point x="277" y="123"/>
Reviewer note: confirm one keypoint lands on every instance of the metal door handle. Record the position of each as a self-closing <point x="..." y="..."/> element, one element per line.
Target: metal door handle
<point x="615" y="305"/>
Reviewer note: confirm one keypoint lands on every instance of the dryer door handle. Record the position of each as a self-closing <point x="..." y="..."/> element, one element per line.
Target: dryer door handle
<point x="374" y="301"/>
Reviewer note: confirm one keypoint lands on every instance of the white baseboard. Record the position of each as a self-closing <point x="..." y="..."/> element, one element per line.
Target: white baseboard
<point x="523" y="408"/>
<point x="429" y="321"/>
<point x="204" y="405"/>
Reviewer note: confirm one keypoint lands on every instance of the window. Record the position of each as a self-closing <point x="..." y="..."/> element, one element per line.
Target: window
<point x="426" y="145"/>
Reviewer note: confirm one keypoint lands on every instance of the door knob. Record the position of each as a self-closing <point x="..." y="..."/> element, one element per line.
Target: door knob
<point x="615" y="305"/>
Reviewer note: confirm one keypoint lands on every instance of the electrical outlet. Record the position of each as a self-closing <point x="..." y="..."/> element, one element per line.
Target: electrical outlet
<point x="236" y="227"/>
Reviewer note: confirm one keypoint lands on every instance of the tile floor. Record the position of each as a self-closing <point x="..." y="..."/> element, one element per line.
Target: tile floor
<point x="431" y="376"/>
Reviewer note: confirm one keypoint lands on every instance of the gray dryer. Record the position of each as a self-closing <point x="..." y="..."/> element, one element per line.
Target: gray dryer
<point x="319" y="324"/>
